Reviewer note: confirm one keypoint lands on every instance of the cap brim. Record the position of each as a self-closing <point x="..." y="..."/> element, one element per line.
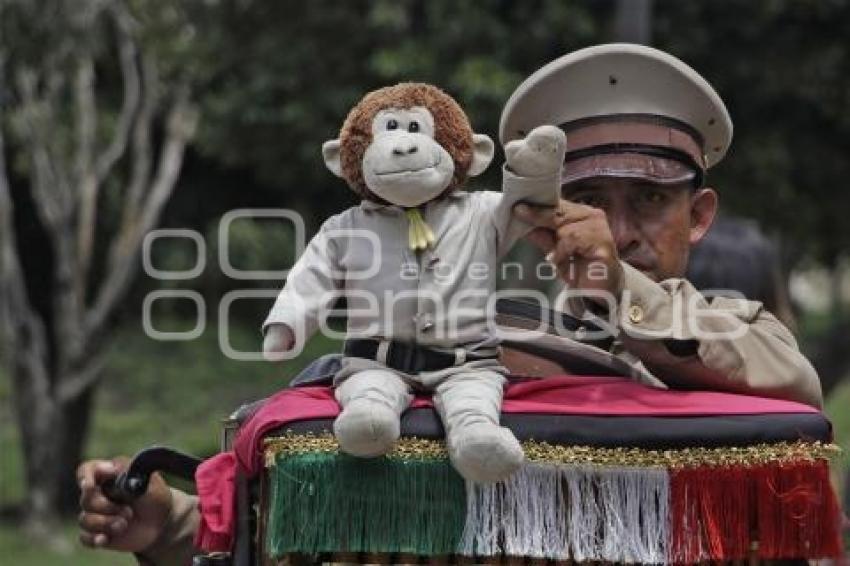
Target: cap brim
<point x="618" y="79"/>
<point x="649" y="168"/>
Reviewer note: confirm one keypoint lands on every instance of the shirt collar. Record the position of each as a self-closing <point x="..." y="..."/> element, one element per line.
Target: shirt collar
<point x="367" y="204"/>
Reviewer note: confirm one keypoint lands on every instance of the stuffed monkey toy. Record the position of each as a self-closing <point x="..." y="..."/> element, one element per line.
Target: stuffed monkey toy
<point x="416" y="262"/>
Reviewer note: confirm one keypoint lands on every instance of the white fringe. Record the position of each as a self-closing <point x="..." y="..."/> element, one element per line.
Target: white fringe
<point x="571" y="513"/>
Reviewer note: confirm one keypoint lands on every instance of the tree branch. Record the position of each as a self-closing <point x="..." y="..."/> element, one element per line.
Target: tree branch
<point x="88" y="185"/>
<point x="91" y="179"/>
<point x="142" y="150"/>
<point x="86" y="119"/>
<point x="123" y="256"/>
<point x="22" y="331"/>
<point x="128" y="55"/>
<point x="44" y="183"/>
<point x="76" y="383"/>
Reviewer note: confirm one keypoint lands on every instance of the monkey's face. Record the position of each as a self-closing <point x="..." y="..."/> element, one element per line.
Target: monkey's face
<point x="404" y="164"/>
<point x="407" y="144"/>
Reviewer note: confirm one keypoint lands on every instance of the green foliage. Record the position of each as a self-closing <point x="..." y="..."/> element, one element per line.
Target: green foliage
<point x="256" y="244"/>
<point x="266" y="244"/>
<point x="283" y="75"/>
<point x="177" y="393"/>
<point x="276" y="79"/>
<point x="783" y="68"/>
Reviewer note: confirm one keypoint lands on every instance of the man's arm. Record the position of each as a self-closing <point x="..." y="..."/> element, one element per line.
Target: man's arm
<point x="725" y="344"/>
<point x="734" y="346"/>
<point x="159" y="526"/>
<point x="174" y="546"/>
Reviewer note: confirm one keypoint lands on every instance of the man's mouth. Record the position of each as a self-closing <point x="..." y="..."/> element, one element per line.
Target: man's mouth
<point x="646" y="267"/>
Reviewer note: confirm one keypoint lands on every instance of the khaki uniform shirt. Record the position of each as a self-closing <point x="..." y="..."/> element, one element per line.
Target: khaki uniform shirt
<point x="740" y="347"/>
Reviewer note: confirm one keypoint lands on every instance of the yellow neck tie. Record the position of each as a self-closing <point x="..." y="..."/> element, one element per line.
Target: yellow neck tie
<point x="420" y="235"/>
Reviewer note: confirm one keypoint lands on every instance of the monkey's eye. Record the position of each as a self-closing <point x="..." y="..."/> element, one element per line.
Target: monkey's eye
<point x="392" y="124"/>
<point x="413" y="126"/>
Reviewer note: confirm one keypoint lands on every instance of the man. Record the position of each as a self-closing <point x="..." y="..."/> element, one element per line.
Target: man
<point x="642" y="130"/>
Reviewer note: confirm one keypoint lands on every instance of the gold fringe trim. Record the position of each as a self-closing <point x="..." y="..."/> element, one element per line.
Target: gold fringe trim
<point x="408" y="448"/>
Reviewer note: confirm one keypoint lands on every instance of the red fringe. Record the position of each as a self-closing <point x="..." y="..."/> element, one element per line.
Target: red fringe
<point x="780" y="511"/>
<point x="710" y="511"/>
<point x="798" y="513"/>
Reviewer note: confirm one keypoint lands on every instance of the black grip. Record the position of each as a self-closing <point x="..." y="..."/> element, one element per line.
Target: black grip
<point x="125" y="488"/>
<point x="215" y="559"/>
<point x="133" y="483"/>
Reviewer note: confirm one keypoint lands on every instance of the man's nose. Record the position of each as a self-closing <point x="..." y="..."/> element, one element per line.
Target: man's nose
<point x="406" y="147"/>
<point x="624" y="229"/>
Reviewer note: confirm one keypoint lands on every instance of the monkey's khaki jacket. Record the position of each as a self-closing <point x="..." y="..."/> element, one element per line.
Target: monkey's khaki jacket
<point x="439" y="297"/>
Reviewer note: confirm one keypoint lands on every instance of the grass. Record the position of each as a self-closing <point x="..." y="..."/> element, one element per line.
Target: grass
<point x="18" y="549"/>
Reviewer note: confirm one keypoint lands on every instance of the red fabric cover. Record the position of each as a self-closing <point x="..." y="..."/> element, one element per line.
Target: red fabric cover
<point x="565" y="395"/>
<point x="215" y="480"/>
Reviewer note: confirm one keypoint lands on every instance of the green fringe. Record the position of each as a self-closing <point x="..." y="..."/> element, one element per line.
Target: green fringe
<point x="324" y="502"/>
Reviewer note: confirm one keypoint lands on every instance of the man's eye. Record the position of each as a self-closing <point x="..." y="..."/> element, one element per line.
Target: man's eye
<point x="589" y="200"/>
<point x="413" y="126"/>
<point x="392" y="124"/>
<point x="654" y="197"/>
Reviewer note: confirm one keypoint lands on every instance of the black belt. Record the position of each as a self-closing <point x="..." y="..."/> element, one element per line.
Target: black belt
<point x="406" y="357"/>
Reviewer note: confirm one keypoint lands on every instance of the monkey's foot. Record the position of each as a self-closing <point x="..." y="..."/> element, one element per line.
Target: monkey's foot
<point x="485" y="453"/>
<point x="366" y="429"/>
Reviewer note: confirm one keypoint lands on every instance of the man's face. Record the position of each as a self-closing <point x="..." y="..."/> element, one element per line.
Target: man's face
<point x="653" y="225"/>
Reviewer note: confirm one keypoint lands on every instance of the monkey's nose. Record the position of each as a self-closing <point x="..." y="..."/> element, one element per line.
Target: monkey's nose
<point x="399" y="150"/>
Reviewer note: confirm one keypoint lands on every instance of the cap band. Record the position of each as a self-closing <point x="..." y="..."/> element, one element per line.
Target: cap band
<point x="642" y="149"/>
<point x="635" y="133"/>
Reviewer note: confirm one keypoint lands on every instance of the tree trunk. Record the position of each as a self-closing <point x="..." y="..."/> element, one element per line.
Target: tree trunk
<point x="53" y="435"/>
<point x="77" y="418"/>
<point x="53" y="347"/>
<point x="42" y="435"/>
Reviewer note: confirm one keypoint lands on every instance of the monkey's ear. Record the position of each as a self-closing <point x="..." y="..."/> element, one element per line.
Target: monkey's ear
<point x="482" y="154"/>
<point x="330" y="151"/>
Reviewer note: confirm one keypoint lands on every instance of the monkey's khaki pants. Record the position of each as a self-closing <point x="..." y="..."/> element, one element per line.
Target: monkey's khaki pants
<point x="468" y="399"/>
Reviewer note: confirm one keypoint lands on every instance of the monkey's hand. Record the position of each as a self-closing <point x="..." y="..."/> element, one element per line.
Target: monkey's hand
<point x="278" y="341"/>
<point x="540" y="153"/>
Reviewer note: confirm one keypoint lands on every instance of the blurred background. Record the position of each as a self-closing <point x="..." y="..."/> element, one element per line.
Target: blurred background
<point x="121" y="116"/>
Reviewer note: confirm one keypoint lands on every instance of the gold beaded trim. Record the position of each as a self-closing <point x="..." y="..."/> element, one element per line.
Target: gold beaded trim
<point x="409" y="448"/>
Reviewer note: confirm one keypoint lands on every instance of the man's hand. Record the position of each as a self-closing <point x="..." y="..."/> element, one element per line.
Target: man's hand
<point x="104" y="524"/>
<point x="278" y="341"/>
<point x="578" y="242"/>
<point x="540" y="153"/>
